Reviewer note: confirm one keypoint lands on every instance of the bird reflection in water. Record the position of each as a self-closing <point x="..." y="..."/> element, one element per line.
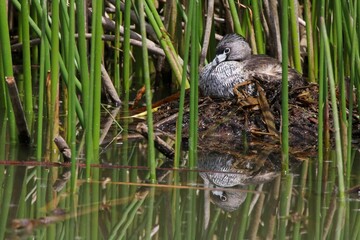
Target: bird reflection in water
<point x="232" y="172"/>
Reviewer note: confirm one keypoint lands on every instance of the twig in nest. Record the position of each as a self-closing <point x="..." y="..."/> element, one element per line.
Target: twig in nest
<point x="244" y="99"/>
<point x="139" y="94"/>
<point x="63" y="148"/>
<point x="266" y="112"/>
<point x="109" y="86"/>
<point x="260" y="101"/>
<point x="160" y="144"/>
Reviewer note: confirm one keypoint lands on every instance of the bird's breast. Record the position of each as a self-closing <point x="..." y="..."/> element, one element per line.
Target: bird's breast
<point x="228" y="69"/>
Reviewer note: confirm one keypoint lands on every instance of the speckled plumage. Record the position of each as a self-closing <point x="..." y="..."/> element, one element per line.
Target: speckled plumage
<point x="219" y="81"/>
<point x="228" y="174"/>
<point x="234" y="64"/>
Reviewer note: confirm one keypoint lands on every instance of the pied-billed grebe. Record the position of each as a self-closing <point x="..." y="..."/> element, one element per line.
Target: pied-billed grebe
<point x="234" y="64"/>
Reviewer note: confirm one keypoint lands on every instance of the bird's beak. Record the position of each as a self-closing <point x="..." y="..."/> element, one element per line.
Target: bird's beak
<point x="218" y="59"/>
<point x="217" y="192"/>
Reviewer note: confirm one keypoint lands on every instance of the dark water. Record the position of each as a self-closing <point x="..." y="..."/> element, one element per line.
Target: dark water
<point x="231" y="195"/>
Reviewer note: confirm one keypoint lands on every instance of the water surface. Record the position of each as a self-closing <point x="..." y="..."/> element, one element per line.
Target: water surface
<point x="230" y="195"/>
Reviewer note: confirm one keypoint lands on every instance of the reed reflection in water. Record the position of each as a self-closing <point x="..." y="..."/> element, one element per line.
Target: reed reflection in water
<point x="231" y="195"/>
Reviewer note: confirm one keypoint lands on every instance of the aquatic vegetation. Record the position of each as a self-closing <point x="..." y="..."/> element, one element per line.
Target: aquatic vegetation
<point x="73" y="62"/>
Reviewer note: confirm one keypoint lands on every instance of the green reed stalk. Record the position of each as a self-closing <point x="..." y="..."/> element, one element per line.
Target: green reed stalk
<point x="321" y="136"/>
<point x="353" y="76"/>
<point x="32" y="23"/>
<point x="260" y="45"/>
<point x="355" y="228"/>
<point x="338" y="148"/>
<point x="3" y="91"/>
<point x="96" y="55"/>
<point x="190" y="204"/>
<point x="235" y="17"/>
<point x="245" y="208"/>
<point x="118" y="15"/>
<point x="26" y="60"/>
<point x="37" y="30"/>
<point x="133" y="173"/>
<point x="126" y="82"/>
<point x="8" y="187"/>
<point x="20" y="185"/>
<point x="181" y="11"/>
<point x="35" y="50"/>
<point x="122" y="175"/>
<point x="72" y="232"/>
<point x="146" y="72"/>
<point x="3" y="131"/>
<point x="295" y="35"/>
<point x="63" y="68"/>
<point x="309" y="41"/>
<point x="8" y="191"/>
<point x="126" y="46"/>
<point x="5" y="51"/>
<point x="357" y="57"/>
<point x="54" y="128"/>
<point x="214" y="222"/>
<point x="42" y="176"/>
<point x="346" y="220"/>
<point x="330" y="174"/>
<point x="164" y="39"/>
<point x="72" y="94"/>
<point x="314" y="12"/>
<point x="123" y="219"/>
<point x="247" y="25"/>
<point x="3" y="137"/>
<point x="301" y="199"/>
<point x="84" y="76"/>
<point x="150" y="212"/>
<point x="44" y="54"/>
<point x="64" y="47"/>
<point x="132" y="207"/>
<point x="95" y="197"/>
<point x="194" y="69"/>
<point x="285" y="197"/>
<point x="284" y="89"/>
<point x="118" y="192"/>
<point x="347" y="28"/>
<point x="84" y="220"/>
<point x="339" y="223"/>
<point x="176" y="207"/>
<point x="182" y="88"/>
<point x="124" y="190"/>
<point x="64" y="31"/>
<point x="339" y="68"/>
<point x="172" y="23"/>
<point x="65" y="76"/>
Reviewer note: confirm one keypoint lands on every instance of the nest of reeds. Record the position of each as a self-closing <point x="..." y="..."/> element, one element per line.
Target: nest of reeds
<point x="247" y="119"/>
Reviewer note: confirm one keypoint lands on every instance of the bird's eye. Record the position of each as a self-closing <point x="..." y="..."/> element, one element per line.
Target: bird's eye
<point x="227" y="50"/>
<point x="223" y="197"/>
